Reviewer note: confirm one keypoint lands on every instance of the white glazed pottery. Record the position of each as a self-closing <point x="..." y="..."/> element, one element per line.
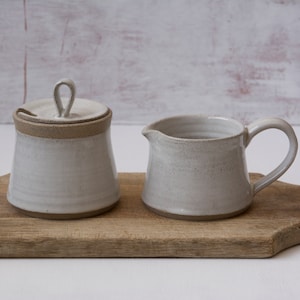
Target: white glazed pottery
<point x="63" y="164"/>
<point x="197" y="167"/>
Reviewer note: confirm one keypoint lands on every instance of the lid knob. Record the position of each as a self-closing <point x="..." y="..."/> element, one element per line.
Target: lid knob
<point x="64" y="112"/>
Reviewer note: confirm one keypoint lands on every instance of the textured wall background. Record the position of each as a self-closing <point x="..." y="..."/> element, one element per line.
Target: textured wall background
<point x="148" y="59"/>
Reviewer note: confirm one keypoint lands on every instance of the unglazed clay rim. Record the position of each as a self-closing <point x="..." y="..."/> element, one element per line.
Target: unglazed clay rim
<point x="63" y="130"/>
<point x="196" y="217"/>
<point x="207" y="117"/>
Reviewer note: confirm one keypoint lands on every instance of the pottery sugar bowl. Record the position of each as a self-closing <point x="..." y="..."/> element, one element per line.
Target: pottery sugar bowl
<point x="63" y="164"/>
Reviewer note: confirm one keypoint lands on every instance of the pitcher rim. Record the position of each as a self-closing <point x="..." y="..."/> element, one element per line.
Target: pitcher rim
<point x="240" y="127"/>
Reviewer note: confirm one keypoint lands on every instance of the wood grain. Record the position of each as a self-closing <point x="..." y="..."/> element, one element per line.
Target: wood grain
<point x="271" y="225"/>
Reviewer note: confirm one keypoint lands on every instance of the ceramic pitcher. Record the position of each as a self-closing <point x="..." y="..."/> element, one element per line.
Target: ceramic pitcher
<point x="197" y="167"/>
<point x="63" y="164"/>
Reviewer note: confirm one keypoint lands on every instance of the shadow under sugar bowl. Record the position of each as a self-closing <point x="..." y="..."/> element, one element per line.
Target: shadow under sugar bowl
<point x="63" y="164"/>
<point x="197" y="168"/>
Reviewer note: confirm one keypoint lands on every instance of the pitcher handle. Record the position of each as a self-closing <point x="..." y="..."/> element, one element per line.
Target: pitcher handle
<point x="260" y="125"/>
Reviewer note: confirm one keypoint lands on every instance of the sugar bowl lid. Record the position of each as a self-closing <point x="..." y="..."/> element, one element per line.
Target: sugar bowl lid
<point x="62" y="117"/>
<point x="62" y="110"/>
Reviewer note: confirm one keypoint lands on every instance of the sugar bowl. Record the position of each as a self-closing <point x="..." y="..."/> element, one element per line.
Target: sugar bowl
<point x="63" y="165"/>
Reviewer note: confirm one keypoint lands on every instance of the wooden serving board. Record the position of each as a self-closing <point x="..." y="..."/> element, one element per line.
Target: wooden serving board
<point x="271" y="225"/>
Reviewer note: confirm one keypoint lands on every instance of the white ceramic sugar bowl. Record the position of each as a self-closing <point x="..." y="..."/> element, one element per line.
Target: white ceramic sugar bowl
<point x="63" y="164"/>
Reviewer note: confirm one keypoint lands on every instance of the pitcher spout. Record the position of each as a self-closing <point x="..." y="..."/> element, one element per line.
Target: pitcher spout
<point x="150" y="133"/>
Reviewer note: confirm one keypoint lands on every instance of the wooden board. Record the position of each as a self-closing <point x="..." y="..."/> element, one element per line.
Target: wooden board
<point x="271" y="225"/>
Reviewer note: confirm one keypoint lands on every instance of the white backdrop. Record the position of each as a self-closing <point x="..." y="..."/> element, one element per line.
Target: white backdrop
<point x="147" y="59"/>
